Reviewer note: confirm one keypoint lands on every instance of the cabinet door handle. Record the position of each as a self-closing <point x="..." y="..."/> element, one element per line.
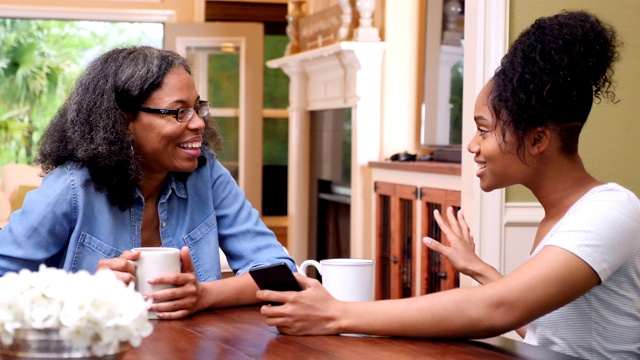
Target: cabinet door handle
<point x="442" y="275"/>
<point x="394" y="259"/>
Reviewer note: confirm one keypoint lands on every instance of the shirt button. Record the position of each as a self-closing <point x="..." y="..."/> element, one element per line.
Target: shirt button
<point x="164" y="224"/>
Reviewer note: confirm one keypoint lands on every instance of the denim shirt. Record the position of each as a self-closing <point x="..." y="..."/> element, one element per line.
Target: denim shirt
<point x="66" y="223"/>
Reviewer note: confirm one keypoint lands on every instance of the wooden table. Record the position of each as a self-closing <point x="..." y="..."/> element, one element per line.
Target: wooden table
<point x="242" y="333"/>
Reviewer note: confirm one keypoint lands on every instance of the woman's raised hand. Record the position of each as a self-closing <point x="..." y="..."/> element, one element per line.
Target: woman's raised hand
<point x="461" y="249"/>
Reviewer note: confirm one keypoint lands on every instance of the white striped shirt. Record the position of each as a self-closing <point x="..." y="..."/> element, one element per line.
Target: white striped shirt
<point x="603" y="229"/>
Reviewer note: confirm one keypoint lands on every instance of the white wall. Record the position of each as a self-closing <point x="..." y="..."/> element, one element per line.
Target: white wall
<point x="400" y="77"/>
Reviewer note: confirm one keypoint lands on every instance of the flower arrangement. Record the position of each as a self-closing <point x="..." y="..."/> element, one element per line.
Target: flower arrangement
<point x="95" y="312"/>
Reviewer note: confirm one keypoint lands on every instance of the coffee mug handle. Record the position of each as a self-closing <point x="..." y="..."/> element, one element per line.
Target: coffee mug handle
<point x="305" y="264"/>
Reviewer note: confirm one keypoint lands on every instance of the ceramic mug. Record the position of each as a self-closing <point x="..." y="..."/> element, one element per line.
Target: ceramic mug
<point x="154" y="261"/>
<point x="345" y="279"/>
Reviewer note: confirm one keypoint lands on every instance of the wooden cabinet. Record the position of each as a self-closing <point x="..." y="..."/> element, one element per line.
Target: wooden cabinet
<point x="437" y="272"/>
<point x="395" y="226"/>
<point x="404" y="215"/>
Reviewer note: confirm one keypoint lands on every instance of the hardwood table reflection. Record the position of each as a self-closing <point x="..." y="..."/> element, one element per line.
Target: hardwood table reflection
<point x="242" y="333"/>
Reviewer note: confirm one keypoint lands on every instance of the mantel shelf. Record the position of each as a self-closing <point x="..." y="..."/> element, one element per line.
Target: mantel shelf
<point x="325" y="51"/>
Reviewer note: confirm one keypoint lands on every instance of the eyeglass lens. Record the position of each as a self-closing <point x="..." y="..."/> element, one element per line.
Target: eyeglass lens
<point x="185" y="114"/>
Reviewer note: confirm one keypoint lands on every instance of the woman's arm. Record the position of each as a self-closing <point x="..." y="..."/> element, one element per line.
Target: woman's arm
<point x="461" y="251"/>
<point x="549" y="280"/>
<point x="39" y="231"/>
<point x="242" y="235"/>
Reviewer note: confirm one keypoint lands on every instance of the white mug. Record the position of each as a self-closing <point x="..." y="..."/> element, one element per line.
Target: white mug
<point x="345" y="279"/>
<point x="154" y="261"/>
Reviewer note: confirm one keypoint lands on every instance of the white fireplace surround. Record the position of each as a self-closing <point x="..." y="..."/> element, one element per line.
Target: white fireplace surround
<point x="342" y="75"/>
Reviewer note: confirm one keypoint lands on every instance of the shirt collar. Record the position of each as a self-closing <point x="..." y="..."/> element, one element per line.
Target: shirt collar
<point x="177" y="181"/>
<point x="178" y="186"/>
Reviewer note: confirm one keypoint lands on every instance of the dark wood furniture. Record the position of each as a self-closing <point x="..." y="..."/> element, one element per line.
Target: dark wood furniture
<point x="437" y="272"/>
<point x="273" y="16"/>
<point x="395" y="240"/>
<point x="242" y="333"/>
<point x="400" y="228"/>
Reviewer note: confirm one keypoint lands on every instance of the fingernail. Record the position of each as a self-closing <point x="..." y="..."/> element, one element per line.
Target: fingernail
<point x="427" y="241"/>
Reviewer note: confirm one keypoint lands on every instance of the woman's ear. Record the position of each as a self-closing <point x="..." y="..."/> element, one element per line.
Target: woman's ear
<point x="538" y="140"/>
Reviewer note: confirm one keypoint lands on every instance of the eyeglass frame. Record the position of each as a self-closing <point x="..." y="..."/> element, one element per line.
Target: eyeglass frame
<point x="176" y="112"/>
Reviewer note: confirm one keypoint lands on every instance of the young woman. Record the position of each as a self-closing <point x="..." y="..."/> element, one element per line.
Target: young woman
<point x="128" y="165"/>
<point x="578" y="293"/>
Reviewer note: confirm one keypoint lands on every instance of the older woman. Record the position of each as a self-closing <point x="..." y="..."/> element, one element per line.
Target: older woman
<point x="128" y="165"/>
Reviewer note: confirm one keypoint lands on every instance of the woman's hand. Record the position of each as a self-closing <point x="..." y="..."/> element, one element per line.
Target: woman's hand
<point x="461" y="250"/>
<point x="310" y="311"/>
<point x="183" y="299"/>
<point x="121" y="266"/>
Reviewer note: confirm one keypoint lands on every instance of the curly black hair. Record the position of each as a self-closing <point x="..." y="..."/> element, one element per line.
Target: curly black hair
<point x="551" y="76"/>
<point x="91" y="128"/>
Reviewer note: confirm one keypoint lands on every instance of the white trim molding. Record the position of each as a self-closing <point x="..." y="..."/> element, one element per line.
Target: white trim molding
<point x="486" y="40"/>
<point x="523" y="214"/>
<point x="97" y="14"/>
<point x="521" y="220"/>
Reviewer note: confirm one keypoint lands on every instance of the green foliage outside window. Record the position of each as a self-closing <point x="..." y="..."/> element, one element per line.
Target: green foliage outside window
<point x="455" y="126"/>
<point x="276" y="83"/>
<point x="224" y="80"/>
<point x="229" y="128"/>
<point x="275" y="141"/>
<point x="224" y="89"/>
<point x="276" y="96"/>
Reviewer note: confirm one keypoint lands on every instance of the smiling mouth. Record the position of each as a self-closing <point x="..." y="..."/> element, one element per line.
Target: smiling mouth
<point x="190" y="145"/>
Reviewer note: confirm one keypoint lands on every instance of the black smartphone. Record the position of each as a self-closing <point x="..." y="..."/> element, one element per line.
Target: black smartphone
<point x="276" y="277"/>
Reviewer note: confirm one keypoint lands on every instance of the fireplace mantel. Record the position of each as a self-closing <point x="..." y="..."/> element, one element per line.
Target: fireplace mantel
<point x="342" y="75"/>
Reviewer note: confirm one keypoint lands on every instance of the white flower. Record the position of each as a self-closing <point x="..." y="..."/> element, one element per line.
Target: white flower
<point x="91" y="311"/>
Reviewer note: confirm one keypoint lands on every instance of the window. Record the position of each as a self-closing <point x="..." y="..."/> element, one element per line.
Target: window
<point x="441" y="110"/>
<point x="275" y="130"/>
<point x="275" y="100"/>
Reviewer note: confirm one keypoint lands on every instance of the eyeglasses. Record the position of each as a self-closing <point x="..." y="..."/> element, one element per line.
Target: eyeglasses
<point x="181" y="115"/>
